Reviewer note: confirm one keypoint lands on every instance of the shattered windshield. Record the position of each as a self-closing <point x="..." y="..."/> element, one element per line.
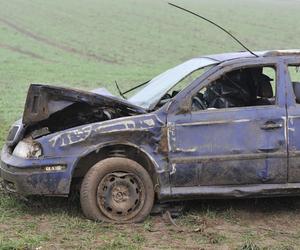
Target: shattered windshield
<point x="151" y="94"/>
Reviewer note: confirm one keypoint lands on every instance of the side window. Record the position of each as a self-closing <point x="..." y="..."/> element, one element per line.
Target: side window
<point x="294" y="71"/>
<point x="242" y="87"/>
<point x="182" y="85"/>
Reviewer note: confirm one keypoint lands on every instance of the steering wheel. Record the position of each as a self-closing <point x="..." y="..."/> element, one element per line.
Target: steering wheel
<point x="198" y="103"/>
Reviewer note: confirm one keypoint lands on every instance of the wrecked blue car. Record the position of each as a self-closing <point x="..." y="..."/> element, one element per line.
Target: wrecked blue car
<point x="217" y="126"/>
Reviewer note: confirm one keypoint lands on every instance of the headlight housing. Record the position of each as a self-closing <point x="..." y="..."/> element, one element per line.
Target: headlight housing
<point x="28" y="149"/>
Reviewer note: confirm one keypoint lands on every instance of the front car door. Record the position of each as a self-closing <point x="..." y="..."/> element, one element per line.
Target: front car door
<point x="229" y="146"/>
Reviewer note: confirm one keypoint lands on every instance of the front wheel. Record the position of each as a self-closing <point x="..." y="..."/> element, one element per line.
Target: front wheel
<point x="117" y="190"/>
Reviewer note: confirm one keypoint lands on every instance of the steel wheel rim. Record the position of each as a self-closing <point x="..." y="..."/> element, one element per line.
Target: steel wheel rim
<point x="120" y="196"/>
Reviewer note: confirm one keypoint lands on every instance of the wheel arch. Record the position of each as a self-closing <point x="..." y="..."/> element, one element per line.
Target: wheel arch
<point x="126" y="150"/>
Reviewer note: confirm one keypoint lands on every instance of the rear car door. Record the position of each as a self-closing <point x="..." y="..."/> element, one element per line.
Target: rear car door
<point x="293" y="122"/>
<point x="230" y="146"/>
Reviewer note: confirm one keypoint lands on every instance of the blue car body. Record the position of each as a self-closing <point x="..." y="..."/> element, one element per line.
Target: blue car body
<point x="236" y="152"/>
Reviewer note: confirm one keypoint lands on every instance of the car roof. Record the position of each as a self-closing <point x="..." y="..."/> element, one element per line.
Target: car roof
<point x="238" y="55"/>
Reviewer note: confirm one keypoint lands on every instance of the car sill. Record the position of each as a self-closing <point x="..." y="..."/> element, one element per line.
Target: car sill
<point x="234" y="191"/>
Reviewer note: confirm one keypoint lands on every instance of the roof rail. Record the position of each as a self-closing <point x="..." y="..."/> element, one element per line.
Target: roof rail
<point x="282" y="52"/>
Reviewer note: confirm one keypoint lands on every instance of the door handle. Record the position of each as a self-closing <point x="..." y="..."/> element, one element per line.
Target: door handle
<point x="268" y="150"/>
<point x="271" y="125"/>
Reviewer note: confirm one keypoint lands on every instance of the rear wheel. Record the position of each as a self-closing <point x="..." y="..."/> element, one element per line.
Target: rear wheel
<point x="117" y="190"/>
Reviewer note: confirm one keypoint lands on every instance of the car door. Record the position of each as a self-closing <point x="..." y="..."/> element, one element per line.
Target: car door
<point x="232" y="146"/>
<point x="293" y="121"/>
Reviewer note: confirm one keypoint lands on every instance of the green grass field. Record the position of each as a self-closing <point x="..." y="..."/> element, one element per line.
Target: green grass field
<point x="92" y="43"/>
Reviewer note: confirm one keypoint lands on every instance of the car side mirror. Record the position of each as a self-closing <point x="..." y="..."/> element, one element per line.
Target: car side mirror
<point x="185" y="106"/>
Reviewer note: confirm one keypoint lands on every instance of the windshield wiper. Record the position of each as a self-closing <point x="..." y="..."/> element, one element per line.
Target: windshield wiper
<point x="129" y="90"/>
<point x="119" y="90"/>
<point x="136" y="87"/>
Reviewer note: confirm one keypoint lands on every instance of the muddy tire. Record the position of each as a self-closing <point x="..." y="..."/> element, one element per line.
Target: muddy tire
<point x="117" y="190"/>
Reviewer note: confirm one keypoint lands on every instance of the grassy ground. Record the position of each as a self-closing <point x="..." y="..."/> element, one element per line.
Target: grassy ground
<point x="56" y="223"/>
<point x="87" y="44"/>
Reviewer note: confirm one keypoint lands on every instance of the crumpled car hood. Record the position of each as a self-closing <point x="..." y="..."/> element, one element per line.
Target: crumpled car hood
<point x="44" y="100"/>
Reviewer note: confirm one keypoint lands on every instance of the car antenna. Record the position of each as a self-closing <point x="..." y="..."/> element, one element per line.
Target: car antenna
<point x="120" y="92"/>
<point x="226" y="31"/>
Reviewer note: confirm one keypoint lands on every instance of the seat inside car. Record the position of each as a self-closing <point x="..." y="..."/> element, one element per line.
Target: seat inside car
<point x="296" y="87"/>
<point x="264" y="90"/>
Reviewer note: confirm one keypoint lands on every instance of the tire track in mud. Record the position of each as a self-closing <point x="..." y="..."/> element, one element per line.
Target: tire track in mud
<point x="53" y="43"/>
<point x="22" y="51"/>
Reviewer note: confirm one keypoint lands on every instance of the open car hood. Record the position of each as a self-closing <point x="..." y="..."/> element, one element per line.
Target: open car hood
<point x="43" y="101"/>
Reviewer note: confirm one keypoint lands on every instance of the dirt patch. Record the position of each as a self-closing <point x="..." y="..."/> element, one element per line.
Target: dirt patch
<point x="51" y="43"/>
<point x="44" y="225"/>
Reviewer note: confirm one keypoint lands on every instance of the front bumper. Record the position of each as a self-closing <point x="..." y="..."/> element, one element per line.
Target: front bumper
<point x="45" y="176"/>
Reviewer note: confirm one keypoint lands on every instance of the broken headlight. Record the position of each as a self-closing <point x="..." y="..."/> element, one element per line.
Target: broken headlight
<point x="28" y="149"/>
